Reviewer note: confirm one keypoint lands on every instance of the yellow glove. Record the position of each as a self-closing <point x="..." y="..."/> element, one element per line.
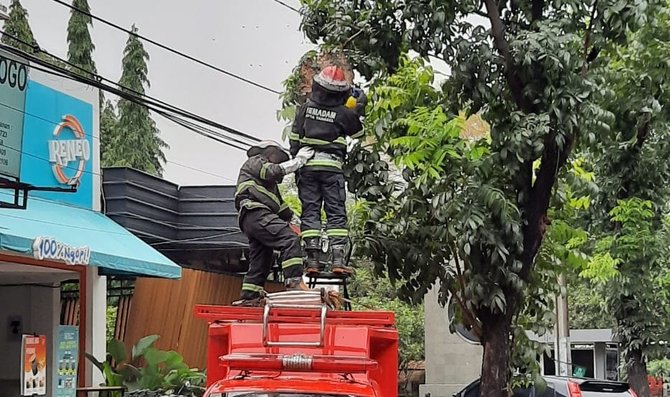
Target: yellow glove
<point x="351" y="102"/>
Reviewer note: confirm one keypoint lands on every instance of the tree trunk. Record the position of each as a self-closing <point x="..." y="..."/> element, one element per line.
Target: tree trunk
<point x="637" y="373"/>
<point x="496" y="342"/>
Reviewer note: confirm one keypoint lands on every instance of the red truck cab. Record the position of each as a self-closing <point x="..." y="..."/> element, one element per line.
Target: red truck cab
<point x="300" y="351"/>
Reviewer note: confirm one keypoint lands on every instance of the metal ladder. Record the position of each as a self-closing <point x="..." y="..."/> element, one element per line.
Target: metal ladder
<point x="308" y="300"/>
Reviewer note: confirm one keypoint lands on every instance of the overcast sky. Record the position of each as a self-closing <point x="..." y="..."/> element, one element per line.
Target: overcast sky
<point x="257" y="39"/>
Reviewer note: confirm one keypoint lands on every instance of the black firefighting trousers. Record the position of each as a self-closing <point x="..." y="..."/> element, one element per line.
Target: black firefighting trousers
<point x="317" y="188"/>
<point x="267" y="232"/>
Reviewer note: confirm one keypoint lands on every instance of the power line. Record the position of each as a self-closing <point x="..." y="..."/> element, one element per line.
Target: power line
<point x="161" y="102"/>
<point x="141" y="99"/>
<point x="199" y="170"/>
<point x="195" y="239"/>
<point x="98" y="138"/>
<point x="287" y="6"/>
<point x="165" y="47"/>
<point x="97" y="83"/>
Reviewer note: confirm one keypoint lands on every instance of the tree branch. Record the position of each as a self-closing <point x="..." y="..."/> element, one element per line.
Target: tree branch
<point x="587" y="38"/>
<point x="643" y="132"/>
<point x="553" y="159"/>
<point x="536" y="9"/>
<point x="498" y="32"/>
<point x="344" y="45"/>
<point x="470" y="317"/>
<point x="461" y="282"/>
<point x="481" y="13"/>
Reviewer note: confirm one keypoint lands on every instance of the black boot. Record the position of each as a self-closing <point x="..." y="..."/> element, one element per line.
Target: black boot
<point x="313" y="248"/>
<point x="339" y="264"/>
<point x="250" y="299"/>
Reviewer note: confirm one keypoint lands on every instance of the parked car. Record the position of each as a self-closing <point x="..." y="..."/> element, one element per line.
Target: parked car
<point x="563" y="387"/>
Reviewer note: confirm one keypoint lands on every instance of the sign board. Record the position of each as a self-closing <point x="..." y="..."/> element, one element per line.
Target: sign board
<point x="579" y="372"/>
<point x="13" y="86"/>
<point x="34" y="365"/>
<point x="58" y="144"/>
<point x="67" y="357"/>
<point x="50" y="248"/>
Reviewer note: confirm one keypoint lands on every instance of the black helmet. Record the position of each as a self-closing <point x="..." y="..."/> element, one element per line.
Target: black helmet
<point x="262" y="146"/>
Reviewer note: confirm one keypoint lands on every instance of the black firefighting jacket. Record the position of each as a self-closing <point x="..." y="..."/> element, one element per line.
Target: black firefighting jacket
<point x="257" y="187"/>
<point x="323" y="123"/>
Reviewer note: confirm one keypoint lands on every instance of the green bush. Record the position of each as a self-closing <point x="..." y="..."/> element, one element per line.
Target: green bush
<point x="111" y="321"/>
<point x="148" y="371"/>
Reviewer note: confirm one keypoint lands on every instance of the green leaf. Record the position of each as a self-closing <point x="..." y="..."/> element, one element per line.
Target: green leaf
<point x="155" y="357"/>
<point x="117" y="350"/>
<point x="95" y="362"/>
<point x="111" y="378"/>
<point x="143" y="344"/>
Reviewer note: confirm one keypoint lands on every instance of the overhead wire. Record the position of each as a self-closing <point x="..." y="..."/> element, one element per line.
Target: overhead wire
<point x="202" y="171"/>
<point x="175" y="223"/>
<point x="167" y="48"/>
<point x="290" y="7"/>
<point x="97" y="82"/>
<point x="194" y="239"/>
<point x="96" y="138"/>
<point x="127" y="94"/>
<point x="158" y="101"/>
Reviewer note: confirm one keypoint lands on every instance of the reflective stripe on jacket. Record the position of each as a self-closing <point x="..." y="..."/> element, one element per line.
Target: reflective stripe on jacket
<point x="257" y="187"/>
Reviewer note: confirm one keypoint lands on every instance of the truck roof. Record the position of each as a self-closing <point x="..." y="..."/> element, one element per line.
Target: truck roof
<point x="272" y="347"/>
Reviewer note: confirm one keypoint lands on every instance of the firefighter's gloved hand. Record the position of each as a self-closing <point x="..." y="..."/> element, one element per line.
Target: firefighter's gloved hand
<point x="300" y="159"/>
<point x="361" y="102"/>
<point x="305" y="154"/>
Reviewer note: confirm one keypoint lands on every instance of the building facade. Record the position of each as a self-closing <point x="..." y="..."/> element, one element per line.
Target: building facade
<point x="52" y="230"/>
<point x="452" y="362"/>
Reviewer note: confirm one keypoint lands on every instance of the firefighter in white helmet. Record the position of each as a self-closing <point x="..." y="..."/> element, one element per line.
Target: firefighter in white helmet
<point x="264" y="218"/>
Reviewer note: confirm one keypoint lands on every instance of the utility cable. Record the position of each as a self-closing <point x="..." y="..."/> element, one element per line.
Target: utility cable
<point x="165" y="47"/>
<point x="96" y="138"/>
<point x="156" y="107"/>
<point x="157" y="101"/>
<point x="96" y="81"/>
<point x="287" y="6"/>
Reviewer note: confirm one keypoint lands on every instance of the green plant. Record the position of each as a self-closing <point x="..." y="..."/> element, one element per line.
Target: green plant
<point x="659" y="368"/>
<point x="148" y="368"/>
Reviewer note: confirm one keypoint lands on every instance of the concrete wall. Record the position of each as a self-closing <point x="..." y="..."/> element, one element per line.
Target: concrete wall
<point x="38" y="309"/>
<point x="451" y="363"/>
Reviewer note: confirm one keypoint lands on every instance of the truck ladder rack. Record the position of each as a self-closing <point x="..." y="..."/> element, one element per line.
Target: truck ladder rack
<point x="293" y="315"/>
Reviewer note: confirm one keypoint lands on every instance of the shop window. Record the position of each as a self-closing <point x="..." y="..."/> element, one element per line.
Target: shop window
<point x="584" y="358"/>
<point x="612" y="364"/>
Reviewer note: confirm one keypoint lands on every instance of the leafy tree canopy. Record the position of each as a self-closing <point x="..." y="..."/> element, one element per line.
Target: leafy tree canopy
<point x="473" y="213"/>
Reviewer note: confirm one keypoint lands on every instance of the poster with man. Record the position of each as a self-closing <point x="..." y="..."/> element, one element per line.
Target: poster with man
<point x="34" y="365"/>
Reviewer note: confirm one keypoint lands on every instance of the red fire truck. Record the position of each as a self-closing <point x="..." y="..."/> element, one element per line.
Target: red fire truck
<point x="295" y="346"/>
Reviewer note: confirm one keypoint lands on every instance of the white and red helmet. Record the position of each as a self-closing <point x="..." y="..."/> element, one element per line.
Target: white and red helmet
<point x="332" y="79"/>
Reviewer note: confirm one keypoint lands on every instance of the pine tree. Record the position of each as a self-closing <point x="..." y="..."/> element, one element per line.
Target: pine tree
<point x="80" y="45"/>
<point x="17" y="25"/>
<point x="80" y="54"/>
<point x="135" y="141"/>
<point x="108" y="123"/>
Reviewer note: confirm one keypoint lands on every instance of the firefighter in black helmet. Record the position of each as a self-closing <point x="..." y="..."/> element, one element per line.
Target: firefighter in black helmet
<point x="323" y="123"/>
<point x="264" y="217"/>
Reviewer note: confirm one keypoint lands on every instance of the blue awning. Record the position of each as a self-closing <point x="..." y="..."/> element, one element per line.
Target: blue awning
<point x="83" y="236"/>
